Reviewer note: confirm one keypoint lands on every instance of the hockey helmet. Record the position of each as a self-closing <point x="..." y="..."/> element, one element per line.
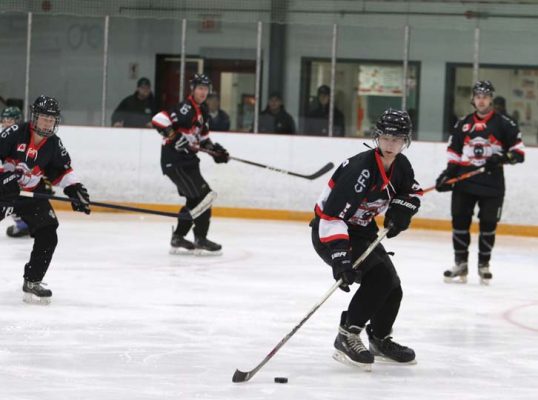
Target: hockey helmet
<point x="200" y="80"/>
<point x="47" y="106"/>
<point x="483" y="87"/>
<point x="13" y="113"/>
<point x="394" y="123"/>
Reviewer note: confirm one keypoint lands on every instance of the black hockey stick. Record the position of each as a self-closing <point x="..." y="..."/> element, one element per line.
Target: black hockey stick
<point x="182" y="215"/>
<point x="240" y="376"/>
<point x="326" y="168"/>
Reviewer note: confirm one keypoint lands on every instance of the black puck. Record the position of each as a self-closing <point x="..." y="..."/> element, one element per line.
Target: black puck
<point x="281" y="379"/>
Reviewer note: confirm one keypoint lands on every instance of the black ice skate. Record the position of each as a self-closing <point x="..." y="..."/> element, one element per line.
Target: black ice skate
<point x="389" y="351"/>
<point x="349" y="347"/>
<point x="35" y="293"/>
<point x="458" y="272"/>
<point x="205" y="247"/>
<point x="483" y="272"/>
<point x="18" y="230"/>
<point x="180" y="245"/>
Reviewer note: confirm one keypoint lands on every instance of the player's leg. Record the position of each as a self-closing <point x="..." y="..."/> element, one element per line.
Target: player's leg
<point x="489" y="215"/>
<point x="462" y="214"/>
<point x="42" y="223"/>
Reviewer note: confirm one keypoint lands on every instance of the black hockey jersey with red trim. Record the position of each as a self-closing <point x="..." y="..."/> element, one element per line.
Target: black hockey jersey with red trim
<point x="190" y="121"/>
<point x="48" y="159"/>
<point x="359" y="190"/>
<point x="476" y="139"/>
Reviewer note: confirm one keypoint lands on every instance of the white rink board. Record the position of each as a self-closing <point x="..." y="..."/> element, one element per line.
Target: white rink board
<point x="123" y="165"/>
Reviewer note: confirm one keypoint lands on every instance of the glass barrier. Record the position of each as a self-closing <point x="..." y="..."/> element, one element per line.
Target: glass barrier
<point x="13" y="32"/>
<point x="67" y="63"/>
<point x="226" y="53"/>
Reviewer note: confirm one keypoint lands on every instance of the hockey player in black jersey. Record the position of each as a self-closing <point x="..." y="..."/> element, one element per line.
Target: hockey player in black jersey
<point x="185" y="129"/>
<point x="31" y="152"/>
<point x="487" y="139"/>
<point x="364" y="186"/>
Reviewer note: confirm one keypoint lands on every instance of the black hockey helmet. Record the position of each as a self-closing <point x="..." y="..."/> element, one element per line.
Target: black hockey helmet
<point x="394" y="123"/>
<point x="200" y="80"/>
<point x="47" y="106"/>
<point x="483" y="87"/>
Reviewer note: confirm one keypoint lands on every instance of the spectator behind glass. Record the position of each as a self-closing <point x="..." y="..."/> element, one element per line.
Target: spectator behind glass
<point x="219" y="120"/>
<point x="136" y="110"/>
<point x="275" y="119"/>
<point x="317" y="119"/>
<point x="499" y="104"/>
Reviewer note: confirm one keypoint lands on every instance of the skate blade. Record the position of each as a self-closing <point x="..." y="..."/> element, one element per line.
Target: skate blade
<point x="456" y="279"/>
<point x="30" y="298"/>
<point x="206" y="253"/>
<point x="386" y="360"/>
<point x="180" y="251"/>
<point x="484" y="282"/>
<point x="342" y="358"/>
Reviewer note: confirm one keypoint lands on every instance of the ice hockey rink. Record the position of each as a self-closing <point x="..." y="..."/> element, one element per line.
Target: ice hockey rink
<point x="129" y="321"/>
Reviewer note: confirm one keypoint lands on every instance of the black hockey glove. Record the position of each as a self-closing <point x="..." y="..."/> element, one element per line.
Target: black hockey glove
<point x="343" y="268"/>
<point x="398" y="216"/>
<point x="9" y="185"/>
<point x="450" y="172"/>
<point x="494" y="162"/>
<point x="220" y="154"/>
<point x="80" y="199"/>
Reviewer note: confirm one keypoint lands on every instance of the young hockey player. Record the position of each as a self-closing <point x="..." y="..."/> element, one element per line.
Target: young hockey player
<point x="364" y="186"/>
<point x="185" y="130"/>
<point x="29" y="152"/>
<point x="485" y="138"/>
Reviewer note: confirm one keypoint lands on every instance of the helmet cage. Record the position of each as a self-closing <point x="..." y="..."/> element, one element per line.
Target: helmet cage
<point x="395" y="123"/>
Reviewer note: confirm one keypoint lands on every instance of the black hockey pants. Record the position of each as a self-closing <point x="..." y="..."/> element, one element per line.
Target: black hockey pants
<point x="191" y="184"/>
<point x="490" y="209"/>
<point x="379" y="295"/>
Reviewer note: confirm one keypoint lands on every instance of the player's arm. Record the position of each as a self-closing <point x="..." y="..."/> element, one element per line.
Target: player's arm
<point x="61" y="174"/>
<point x="454" y="153"/>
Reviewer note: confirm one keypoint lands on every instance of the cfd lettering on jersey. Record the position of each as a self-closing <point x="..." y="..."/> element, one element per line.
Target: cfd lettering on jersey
<point x="361" y="181"/>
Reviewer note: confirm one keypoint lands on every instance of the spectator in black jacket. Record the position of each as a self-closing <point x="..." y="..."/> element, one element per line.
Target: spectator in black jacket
<point x="275" y="119"/>
<point x="136" y="110"/>
<point x="317" y="120"/>
<point x="219" y="120"/>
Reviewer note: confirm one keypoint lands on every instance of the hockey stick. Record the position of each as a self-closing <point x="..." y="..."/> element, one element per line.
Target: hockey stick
<point x="182" y="215"/>
<point x="326" y="168"/>
<point x="462" y="177"/>
<point x="240" y="376"/>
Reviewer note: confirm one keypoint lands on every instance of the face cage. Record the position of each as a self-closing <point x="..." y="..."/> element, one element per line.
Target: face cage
<point x="45" y="132"/>
<point x="378" y="133"/>
<point x="210" y="87"/>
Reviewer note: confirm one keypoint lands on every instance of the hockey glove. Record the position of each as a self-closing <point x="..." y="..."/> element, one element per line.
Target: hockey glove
<point x="450" y="172"/>
<point x="494" y="162"/>
<point x="343" y="268"/>
<point x="398" y="216"/>
<point x="80" y="199"/>
<point x="9" y="185"/>
<point x="221" y="155"/>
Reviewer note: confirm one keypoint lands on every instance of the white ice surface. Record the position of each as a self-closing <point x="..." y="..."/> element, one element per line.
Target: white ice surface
<point x="129" y="321"/>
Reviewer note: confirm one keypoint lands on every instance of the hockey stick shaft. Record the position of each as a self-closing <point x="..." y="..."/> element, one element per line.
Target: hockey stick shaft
<point x="457" y="179"/>
<point x="326" y="168"/>
<point x="240" y="376"/>
<point x="182" y="215"/>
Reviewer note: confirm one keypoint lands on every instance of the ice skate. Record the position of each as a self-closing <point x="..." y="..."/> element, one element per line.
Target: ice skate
<point x="458" y="273"/>
<point x="35" y="293"/>
<point x="349" y="348"/>
<point x="19" y="229"/>
<point x="181" y="246"/>
<point x="484" y="274"/>
<point x="386" y="350"/>
<point x="205" y="247"/>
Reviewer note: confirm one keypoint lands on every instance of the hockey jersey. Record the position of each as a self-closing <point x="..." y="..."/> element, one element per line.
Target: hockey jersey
<point x="189" y="120"/>
<point x="48" y="159"/>
<point x="475" y="140"/>
<point x="359" y="190"/>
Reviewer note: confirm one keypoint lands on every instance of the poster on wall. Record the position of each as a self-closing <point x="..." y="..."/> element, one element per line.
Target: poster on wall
<point x="377" y="80"/>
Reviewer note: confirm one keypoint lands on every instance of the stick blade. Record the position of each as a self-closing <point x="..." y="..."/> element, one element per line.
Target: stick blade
<point x="240" y="376"/>
<point x="326" y="168"/>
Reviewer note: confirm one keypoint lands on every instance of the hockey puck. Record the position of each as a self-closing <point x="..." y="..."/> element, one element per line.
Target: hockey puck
<point x="281" y="379"/>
